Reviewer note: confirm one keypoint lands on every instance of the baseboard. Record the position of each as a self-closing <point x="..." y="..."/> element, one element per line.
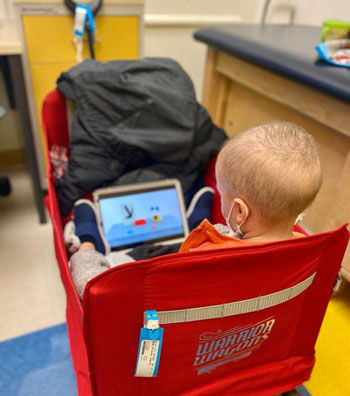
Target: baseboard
<point x="11" y="158"/>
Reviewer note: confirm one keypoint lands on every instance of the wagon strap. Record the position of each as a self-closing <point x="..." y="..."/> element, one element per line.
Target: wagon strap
<point x="234" y="308"/>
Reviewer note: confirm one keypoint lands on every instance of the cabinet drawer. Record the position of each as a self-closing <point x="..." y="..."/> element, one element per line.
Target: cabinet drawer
<point x="49" y="38"/>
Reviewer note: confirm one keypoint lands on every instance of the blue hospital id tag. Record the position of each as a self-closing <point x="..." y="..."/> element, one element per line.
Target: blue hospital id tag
<point x="150" y="345"/>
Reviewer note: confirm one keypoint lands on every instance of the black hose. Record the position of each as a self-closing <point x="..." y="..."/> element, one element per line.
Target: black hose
<point x="91" y="42"/>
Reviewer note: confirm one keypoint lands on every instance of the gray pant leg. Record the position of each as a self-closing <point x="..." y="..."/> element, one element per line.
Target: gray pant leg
<point x="86" y="264"/>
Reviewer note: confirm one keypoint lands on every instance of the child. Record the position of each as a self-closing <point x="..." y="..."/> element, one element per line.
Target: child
<point x="266" y="176"/>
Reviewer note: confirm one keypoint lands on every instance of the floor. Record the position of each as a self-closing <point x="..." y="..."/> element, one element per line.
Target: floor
<point x="37" y="364"/>
<point x="31" y="293"/>
<point x="32" y="297"/>
<point x="330" y="376"/>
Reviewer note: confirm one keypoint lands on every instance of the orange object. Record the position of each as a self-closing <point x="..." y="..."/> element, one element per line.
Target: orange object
<point x="207" y="237"/>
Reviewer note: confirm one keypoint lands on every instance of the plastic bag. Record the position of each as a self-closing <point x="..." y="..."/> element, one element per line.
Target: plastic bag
<point x="335" y="52"/>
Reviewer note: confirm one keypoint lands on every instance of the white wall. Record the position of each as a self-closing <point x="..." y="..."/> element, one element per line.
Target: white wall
<point x="177" y="41"/>
<point x="245" y="9"/>
<point x="308" y="12"/>
<point x="6" y="9"/>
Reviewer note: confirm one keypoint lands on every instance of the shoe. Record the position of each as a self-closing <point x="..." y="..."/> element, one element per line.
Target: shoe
<point x="88" y="226"/>
<point x="71" y="241"/>
<point x="200" y="207"/>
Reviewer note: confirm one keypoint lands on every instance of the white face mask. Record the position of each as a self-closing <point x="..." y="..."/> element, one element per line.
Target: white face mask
<point x="238" y="233"/>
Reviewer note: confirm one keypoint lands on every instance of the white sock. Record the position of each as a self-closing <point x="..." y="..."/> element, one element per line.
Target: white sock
<point x="71" y="241"/>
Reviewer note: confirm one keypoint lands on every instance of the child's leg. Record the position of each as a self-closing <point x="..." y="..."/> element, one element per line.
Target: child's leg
<point x="87" y="226"/>
<point x="89" y="261"/>
<point x="87" y="246"/>
<point x="85" y="265"/>
<point x="200" y="207"/>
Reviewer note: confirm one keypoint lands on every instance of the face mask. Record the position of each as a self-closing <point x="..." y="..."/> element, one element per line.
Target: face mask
<point x="238" y="233"/>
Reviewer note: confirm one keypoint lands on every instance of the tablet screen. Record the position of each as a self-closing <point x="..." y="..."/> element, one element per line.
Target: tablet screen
<point x="150" y="215"/>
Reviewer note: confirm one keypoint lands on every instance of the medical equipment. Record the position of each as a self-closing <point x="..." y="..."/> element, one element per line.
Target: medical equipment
<point x="84" y="20"/>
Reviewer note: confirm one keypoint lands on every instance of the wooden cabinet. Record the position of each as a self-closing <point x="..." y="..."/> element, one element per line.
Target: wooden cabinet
<point x="240" y="95"/>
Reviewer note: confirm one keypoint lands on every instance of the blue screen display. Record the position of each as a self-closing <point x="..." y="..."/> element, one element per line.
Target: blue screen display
<point x="140" y="217"/>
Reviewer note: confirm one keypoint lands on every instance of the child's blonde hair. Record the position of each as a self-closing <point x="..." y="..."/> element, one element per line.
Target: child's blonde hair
<point x="274" y="166"/>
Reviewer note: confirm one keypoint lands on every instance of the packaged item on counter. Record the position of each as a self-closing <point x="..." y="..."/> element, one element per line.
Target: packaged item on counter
<point x="335" y="46"/>
<point x="333" y="29"/>
<point x="335" y="52"/>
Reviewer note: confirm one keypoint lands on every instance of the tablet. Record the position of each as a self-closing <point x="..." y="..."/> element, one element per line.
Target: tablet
<point x="136" y="214"/>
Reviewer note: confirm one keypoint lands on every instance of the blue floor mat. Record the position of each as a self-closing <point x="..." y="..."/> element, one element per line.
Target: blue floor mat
<point x="302" y="391"/>
<point x="37" y="364"/>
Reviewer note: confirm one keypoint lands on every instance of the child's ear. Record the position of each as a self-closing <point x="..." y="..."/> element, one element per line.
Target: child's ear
<point x="243" y="210"/>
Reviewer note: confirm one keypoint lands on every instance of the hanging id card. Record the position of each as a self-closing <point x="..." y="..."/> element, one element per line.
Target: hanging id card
<point x="150" y="345"/>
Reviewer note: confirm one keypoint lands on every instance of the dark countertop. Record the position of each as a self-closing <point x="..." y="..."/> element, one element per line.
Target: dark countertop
<point x="284" y="49"/>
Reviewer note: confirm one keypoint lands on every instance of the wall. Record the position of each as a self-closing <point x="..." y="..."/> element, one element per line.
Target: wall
<point x="175" y="39"/>
<point x="245" y="9"/>
<point x="310" y="12"/>
<point x="6" y="9"/>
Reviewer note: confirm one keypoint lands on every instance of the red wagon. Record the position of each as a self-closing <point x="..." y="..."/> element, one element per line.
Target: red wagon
<point x="238" y="321"/>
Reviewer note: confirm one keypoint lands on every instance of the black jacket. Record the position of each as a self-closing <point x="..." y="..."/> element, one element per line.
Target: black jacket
<point x="134" y="121"/>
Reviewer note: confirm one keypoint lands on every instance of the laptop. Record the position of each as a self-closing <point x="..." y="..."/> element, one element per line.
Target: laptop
<point x="142" y="213"/>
